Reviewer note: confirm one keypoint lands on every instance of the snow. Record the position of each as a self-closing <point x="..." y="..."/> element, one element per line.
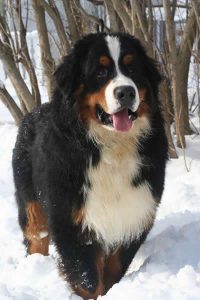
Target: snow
<point x="166" y="267"/>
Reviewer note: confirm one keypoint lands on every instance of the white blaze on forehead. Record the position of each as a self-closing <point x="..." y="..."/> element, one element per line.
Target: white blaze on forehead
<point x="113" y="104"/>
<point x="114" y="49"/>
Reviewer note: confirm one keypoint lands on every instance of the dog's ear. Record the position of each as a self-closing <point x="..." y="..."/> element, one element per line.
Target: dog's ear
<point x="153" y="75"/>
<point x="66" y="73"/>
<point x="150" y="67"/>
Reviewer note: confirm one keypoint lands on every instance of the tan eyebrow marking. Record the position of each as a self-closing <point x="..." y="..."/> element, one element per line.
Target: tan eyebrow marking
<point x="104" y="61"/>
<point x="127" y="59"/>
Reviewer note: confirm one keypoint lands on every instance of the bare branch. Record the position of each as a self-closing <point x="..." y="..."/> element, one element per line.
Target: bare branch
<point x="15" y="40"/>
<point x="74" y="33"/>
<point x="3" y="30"/>
<point x="141" y="19"/>
<point x="112" y="15"/>
<point x="179" y="5"/>
<point x="120" y="9"/>
<point x="88" y="16"/>
<point x="14" y="74"/>
<point x="96" y="2"/>
<point x="24" y="51"/>
<point x="54" y="14"/>
<point x="150" y="19"/>
<point x="9" y="102"/>
<point x="196" y="9"/>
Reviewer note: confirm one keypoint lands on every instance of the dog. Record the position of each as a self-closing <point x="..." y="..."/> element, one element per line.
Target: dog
<point x="89" y="166"/>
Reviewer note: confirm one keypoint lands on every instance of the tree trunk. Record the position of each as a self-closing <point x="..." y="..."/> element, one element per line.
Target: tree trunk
<point x="178" y="111"/>
<point x="184" y="57"/>
<point x="46" y="57"/>
<point x="175" y="75"/>
<point x="183" y="70"/>
<point x="165" y="100"/>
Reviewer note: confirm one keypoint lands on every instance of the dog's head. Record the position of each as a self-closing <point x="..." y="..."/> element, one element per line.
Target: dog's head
<point x="109" y="79"/>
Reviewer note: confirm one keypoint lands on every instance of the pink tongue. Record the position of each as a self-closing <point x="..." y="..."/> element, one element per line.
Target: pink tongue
<point x="121" y="121"/>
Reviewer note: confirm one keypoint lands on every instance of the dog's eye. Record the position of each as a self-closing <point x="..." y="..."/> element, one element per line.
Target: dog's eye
<point x="102" y="73"/>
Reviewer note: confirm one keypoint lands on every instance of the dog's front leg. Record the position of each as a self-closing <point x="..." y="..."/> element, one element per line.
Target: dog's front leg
<point x="81" y="265"/>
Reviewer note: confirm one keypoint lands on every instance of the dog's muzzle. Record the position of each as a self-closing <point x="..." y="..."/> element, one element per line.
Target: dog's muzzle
<point x="125" y="94"/>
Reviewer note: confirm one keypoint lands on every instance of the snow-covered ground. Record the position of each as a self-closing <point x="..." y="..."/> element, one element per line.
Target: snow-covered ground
<point x="167" y="267"/>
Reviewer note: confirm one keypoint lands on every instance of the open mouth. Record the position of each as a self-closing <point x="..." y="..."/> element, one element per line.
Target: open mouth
<point x="120" y="121"/>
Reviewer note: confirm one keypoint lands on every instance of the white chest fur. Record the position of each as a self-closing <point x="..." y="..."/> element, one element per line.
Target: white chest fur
<point x="114" y="209"/>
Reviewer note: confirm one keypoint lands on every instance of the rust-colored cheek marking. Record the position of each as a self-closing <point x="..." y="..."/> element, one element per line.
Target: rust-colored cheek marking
<point x="89" y="102"/>
<point x="127" y="59"/>
<point x="144" y="108"/>
<point x="104" y="60"/>
<point x="36" y="227"/>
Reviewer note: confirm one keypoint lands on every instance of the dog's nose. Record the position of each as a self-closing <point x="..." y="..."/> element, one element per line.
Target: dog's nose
<point x="125" y="94"/>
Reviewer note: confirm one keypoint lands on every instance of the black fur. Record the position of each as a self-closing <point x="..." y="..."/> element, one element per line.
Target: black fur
<point x="52" y="153"/>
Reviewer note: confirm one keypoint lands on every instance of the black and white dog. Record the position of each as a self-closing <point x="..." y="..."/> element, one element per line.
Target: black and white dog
<point x="89" y="167"/>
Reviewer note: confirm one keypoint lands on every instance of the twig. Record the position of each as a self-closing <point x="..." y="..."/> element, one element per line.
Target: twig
<point x="195" y="128"/>
<point x="88" y="16"/>
<point x="192" y="102"/>
<point x="11" y="105"/>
